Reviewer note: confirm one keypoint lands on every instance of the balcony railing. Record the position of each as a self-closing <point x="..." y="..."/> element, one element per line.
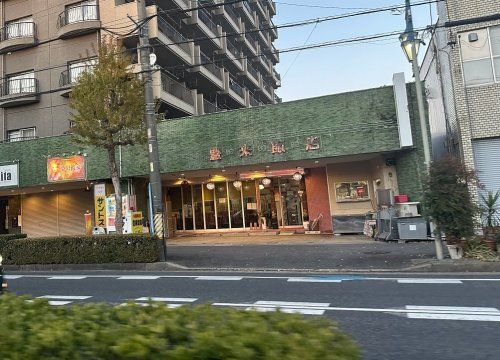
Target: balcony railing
<point x="206" y="18"/>
<point x="79" y="13"/>
<point x="209" y="108"/>
<point x="71" y="75"/>
<point x="173" y="34"/>
<point x="237" y="88"/>
<point x="232" y="14"/>
<point x="210" y="66"/>
<point x="250" y="39"/>
<point x="248" y="7"/>
<point x="175" y="88"/>
<point x="268" y="88"/>
<point x="19" y="87"/>
<point x="252" y="71"/>
<point x="21" y="138"/>
<point x="17" y="31"/>
<point x="255" y="102"/>
<point x="233" y="49"/>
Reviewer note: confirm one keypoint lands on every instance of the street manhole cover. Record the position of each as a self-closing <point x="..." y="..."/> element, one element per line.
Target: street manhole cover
<point x="376" y="252"/>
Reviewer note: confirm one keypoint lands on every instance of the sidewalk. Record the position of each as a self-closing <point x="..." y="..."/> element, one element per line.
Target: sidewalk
<point x="295" y="253"/>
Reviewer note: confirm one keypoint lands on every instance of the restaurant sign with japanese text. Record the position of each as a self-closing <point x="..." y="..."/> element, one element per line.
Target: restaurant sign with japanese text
<point x="60" y="169"/>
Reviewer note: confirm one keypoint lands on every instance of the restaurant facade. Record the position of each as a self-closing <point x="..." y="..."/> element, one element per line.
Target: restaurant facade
<point x="310" y="164"/>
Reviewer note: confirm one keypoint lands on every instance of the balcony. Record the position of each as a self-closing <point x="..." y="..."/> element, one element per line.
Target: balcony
<point x="235" y="90"/>
<point x="247" y="10"/>
<point x="203" y="19"/>
<point x="252" y="74"/>
<point x="69" y="77"/>
<point x="233" y="54"/>
<point x="16" y="36"/>
<point x="275" y="55"/>
<point x="261" y="8"/>
<point x="267" y="90"/>
<point x="174" y="94"/>
<point x="78" y="20"/>
<point x="206" y="107"/>
<point x="228" y="13"/>
<point x="273" y="30"/>
<point x="17" y="92"/>
<point x="211" y="73"/>
<point x="249" y="41"/>
<point x="175" y="42"/>
<point x="254" y="102"/>
<point x="271" y="6"/>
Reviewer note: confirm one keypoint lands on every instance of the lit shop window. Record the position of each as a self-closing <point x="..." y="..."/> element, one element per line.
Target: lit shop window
<point x="480" y="51"/>
<point x="352" y="191"/>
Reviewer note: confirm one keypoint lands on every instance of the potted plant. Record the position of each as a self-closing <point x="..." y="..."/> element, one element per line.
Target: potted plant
<point x="489" y="215"/>
<point x="447" y="201"/>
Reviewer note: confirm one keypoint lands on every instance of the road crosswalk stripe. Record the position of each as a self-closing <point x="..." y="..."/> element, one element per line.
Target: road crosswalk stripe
<point x="429" y="281"/>
<point x="166" y="299"/>
<point x="59" y="303"/>
<point x="220" y="278"/>
<point x="291" y="304"/>
<point x="286" y="310"/>
<point x="64" y="297"/>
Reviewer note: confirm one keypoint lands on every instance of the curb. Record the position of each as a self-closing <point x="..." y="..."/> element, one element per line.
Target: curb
<point x="430" y="266"/>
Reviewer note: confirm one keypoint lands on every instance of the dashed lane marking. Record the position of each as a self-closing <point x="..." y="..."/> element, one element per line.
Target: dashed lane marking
<point x="67" y="277"/>
<point x="313" y="280"/>
<point x="137" y="277"/>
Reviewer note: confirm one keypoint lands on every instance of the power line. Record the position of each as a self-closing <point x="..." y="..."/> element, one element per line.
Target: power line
<point x="285" y="25"/>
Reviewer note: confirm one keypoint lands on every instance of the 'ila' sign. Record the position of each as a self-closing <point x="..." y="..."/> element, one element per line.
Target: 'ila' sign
<point x="9" y="175"/>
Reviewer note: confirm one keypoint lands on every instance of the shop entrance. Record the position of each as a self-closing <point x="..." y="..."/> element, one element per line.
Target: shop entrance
<point x="277" y="203"/>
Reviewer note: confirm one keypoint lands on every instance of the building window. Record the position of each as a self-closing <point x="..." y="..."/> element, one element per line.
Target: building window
<point x="76" y="69"/>
<point x="21" y="134"/>
<point x="83" y="11"/>
<point x="20" y="28"/>
<point x="352" y="191"/>
<point x="24" y="83"/>
<point x="480" y="50"/>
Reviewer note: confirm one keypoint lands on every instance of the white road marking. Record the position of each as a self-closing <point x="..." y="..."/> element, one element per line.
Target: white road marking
<point x="291" y="304"/>
<point x="138" y="277"/>
<point x="64" y="297"/>
<point x="452" y="308"/>
<point x="313" y="280"/>
<point x="67" y="277"/>
<point x="463" y="317"/>
<point x="12" y="277"/>
<point x="59" y="303"/>
<point x="286" y="310"/>
<point x="165" y="299"/>
<point x="429" y="281"/>
<point x="220" y="278"/>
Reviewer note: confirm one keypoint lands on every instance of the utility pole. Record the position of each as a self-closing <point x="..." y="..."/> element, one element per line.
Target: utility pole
<point x="410" y="39"/>
<point x="150" y="119"/>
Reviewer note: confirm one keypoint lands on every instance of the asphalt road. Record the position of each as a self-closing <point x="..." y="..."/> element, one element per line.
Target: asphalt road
<point x="391" y="317"/>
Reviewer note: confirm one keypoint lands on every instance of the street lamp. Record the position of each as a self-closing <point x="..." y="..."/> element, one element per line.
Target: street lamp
<point x="411" y="44"/>
<point x="408" y="39"/>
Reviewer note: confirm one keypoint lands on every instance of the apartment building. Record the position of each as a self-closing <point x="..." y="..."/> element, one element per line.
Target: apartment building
<point x="208" y="59"/>
<point x="462" y="74"/>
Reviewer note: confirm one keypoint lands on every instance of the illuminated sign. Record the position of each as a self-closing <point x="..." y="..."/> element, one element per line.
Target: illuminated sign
<point x="61" y="169"/>
<point x="9" y="175"/>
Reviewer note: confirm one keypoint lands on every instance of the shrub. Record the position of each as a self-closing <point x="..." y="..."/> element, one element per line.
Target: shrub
<point x="35" y="330"/>
<point x="81" y="249"/>
<point x="447" y="198"/>
<point x="12" y="236"/>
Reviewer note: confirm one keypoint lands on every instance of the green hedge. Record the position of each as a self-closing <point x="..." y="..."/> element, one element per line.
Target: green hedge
<point x="141" y="248"/>
<point x="35" y="330"/>
<point x="12" y="236"/>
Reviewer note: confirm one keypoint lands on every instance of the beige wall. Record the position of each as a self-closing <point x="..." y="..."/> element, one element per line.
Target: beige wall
<point x="50" y="115"/>
<point x="369" y="170"/>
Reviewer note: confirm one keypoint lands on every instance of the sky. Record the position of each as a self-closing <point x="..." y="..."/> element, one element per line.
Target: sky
<point x="348" y="67"/>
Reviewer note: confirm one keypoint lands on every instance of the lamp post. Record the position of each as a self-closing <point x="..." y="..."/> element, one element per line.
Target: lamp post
<point x="411" y="44"/>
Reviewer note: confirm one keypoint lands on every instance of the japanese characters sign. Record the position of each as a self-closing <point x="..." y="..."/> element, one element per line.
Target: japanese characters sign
<point x="61" y="169"/>
<point x="215" y="154"/>
<point x="313" y="143"/>
<point x="100" y="205"/>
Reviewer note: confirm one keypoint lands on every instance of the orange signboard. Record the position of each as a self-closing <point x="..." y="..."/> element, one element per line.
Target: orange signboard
<point x="66" y="169"/>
